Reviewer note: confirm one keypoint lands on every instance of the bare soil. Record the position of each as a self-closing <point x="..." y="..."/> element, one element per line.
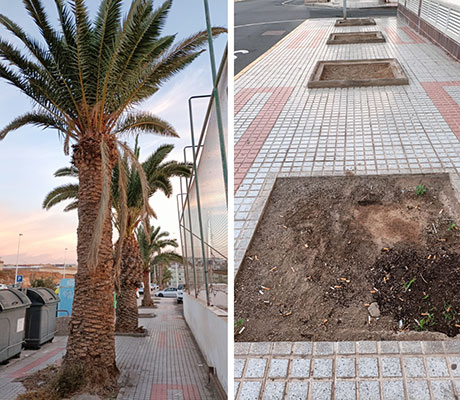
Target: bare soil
<point x="327" y="247"/>
<point x="355" y="37"/>
<point x="341" y="72"/>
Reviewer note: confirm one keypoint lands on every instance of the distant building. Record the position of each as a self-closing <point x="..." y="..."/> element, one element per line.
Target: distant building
<point x="1" y="265"/>
<point x="178" y="275"/>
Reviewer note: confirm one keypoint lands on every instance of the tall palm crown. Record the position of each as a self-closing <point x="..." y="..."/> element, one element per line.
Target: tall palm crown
<point x="88" y="77"/>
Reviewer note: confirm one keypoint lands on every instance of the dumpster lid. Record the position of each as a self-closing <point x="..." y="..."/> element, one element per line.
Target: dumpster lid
<point x="42" y="296"/>
<point x="12" y="298"/>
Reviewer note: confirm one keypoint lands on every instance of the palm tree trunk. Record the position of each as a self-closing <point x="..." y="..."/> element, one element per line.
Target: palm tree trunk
<point x="91" y="343"/>
<point x="130" y="278"/>
<point x="147" y="299"/>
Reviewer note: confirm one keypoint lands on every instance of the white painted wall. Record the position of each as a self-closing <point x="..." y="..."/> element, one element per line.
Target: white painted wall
<point x="209" y="326"/>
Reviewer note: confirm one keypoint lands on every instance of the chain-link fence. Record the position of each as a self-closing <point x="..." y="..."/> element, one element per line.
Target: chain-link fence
<point x="202" y="204"/>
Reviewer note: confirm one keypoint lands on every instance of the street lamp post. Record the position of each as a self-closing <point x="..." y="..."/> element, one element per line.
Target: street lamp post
<point x="17" y="260"/>
<point x="65" y="254"/>
<point x="344" y="9"/>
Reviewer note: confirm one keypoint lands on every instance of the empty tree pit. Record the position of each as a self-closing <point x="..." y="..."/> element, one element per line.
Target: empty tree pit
<point x="355" y="73"/>
<point x="353" y="258"/>
<point x="355" y="22"/>
<point x="356" y="37"/>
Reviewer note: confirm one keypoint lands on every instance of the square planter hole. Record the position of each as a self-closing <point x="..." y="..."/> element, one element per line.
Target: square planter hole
<point x="352" y="73"/>
<point x="356" y="37"/>
<point x="355" y="22"/>
<point x="353" y="258"/>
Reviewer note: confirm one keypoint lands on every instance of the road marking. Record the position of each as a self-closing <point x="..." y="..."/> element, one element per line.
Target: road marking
<point x="239" y="51"/>
<point x="270" y="22"/>
<point x="248" y="67"/>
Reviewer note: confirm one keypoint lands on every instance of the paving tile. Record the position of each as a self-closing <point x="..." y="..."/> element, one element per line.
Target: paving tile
<point x="389" y="347"/>
<point x="260" y="348"/>
<point x="323" y="348"/>
<point x="367" y="347"/>
<point x="250" y="390"/>
<point x="345" y="367"/>
<point x="322" y="368"/>
<point x="321" y="390"/>
<point x="433" y="347"/>
<point x="282" y="348"/>
<point x="297" y="390"/>
<point x="437" y="367"/>
<point x="345" y="390"/>
<point x="452" y="346"/>
<point x="236" y="386"/>
<point x="368" y="367"/>
<point x="411" y="347"/>
<point x="414" y="367"/>
<point x="278" y="368"/>
<point x="369" y="390"/>
<point x="256" y="368"/>
<point x="300" y="368"/>
<point x="346" y="348"/>
<point x="418" y="390"/>
<point x="393" y="390"/>
<point x="238" y="366"/>
<point x="274" y="391"/>
<point x="454" y="364"/>
<point x="443" y="390"/>
<point x="302" y="348"/>
<point x="241" y="348"/>
<point x="391" y="367"/>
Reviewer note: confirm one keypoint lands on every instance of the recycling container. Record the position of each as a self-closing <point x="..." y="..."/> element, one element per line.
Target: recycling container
<point x="40" y="317"/>
<point x="13" y="306"/>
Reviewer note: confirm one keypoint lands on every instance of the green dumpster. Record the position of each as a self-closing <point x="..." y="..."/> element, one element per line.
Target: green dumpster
<point x="13" y="306"/>
<point x="40" y="317"/>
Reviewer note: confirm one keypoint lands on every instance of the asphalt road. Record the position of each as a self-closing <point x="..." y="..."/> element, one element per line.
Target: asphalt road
<point x="259" y="24"/>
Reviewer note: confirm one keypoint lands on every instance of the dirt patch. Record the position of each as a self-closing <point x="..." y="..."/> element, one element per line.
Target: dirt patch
<point x="355" y="22"/>
<point x="326" y="248"/>
<point x="355" y="73"/>
<point x="356" y="37"/>
<point x="362" y="71"/>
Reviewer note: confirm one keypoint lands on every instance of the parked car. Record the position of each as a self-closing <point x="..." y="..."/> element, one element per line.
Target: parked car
<point x="3" y="286"/>
<point x="180" y="294"/>
<point x="141" y="289"/>
<point x="168" y="292"/>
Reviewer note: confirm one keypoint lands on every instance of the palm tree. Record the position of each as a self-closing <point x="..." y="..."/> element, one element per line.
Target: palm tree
<point x="159" y="174"/>
<point x="85" y="79"/>
<point x="153" y="254"/>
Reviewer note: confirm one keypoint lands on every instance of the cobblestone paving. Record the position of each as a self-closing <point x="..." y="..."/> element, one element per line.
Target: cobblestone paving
<point x="347" y="370"/>
<point x="282" y="128"/>
<point x="166" y="365"/>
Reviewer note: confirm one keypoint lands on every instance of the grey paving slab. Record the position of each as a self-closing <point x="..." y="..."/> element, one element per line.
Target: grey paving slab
<point x="369" y="390"/>
<point x="238" y="366"/>
<point x="345" y="367"/>
<point x="256" y="368"/>
<point x="443" y="390"/>
<point x="250" y="390"/>
<point x="274" y="391"/>
<point x="297" y="390"/>
<point x="391" y="367"/>
<point x="393" y="390"/>
<point x="345" y="390"/>
<point x="418" y="390"/>
<point x="300" y="368"/>
<point x="321" y="390"/>
<point x="368" y="367"/>
<point x="278" y="368"/>
<point x="437" y="366"/>
<point x="414" y="367"/>
<point x="322" y="368"/>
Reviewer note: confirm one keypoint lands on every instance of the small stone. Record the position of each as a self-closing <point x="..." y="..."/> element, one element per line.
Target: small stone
<point x="374" y="310"/>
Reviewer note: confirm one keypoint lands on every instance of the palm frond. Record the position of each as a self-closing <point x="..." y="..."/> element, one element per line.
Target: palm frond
<point x="60" y="194"/>
<point x="145" y="122"/>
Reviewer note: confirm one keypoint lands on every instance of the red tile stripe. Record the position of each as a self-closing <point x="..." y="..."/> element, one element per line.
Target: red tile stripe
<point x="21" y="372"/>
<point x="446" y="105"/>
<point x="160" y="391"/>
<point x="298" y="39"/>
<point x="397" y="39"/>
<point x="252" y="140"/>
<point x="317" y="39"/>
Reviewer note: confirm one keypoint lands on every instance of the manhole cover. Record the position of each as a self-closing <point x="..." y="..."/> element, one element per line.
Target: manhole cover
<point x="353" y="73"/>
<point x="356" y="37"/>
<point x="355" y="22"/>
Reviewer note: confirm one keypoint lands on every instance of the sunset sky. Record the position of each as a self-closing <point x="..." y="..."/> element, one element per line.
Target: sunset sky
<point x="30" y="156"/>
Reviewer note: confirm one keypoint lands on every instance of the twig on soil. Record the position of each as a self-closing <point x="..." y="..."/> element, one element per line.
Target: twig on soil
<point x="434" y="227"/>
<point x="421" y="276"/>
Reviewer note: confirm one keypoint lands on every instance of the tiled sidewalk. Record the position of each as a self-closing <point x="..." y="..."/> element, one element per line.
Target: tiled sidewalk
<point x="163" y="366"/>
<point x="345" y="370"/>
<point x="282" y="128"/>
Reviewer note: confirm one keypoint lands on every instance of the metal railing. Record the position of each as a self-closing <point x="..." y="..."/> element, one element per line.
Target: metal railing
<point x="202" y="203"/>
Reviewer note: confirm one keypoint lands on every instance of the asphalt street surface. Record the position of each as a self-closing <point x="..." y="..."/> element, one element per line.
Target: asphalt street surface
<point x="260" y="24"/>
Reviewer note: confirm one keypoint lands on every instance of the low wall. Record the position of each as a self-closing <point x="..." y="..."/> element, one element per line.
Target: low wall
<point x="437" y="20"/>
<point x="209" y="326"/>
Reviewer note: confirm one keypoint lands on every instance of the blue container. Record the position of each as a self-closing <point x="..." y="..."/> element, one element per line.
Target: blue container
<point x="66" y="293"/>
